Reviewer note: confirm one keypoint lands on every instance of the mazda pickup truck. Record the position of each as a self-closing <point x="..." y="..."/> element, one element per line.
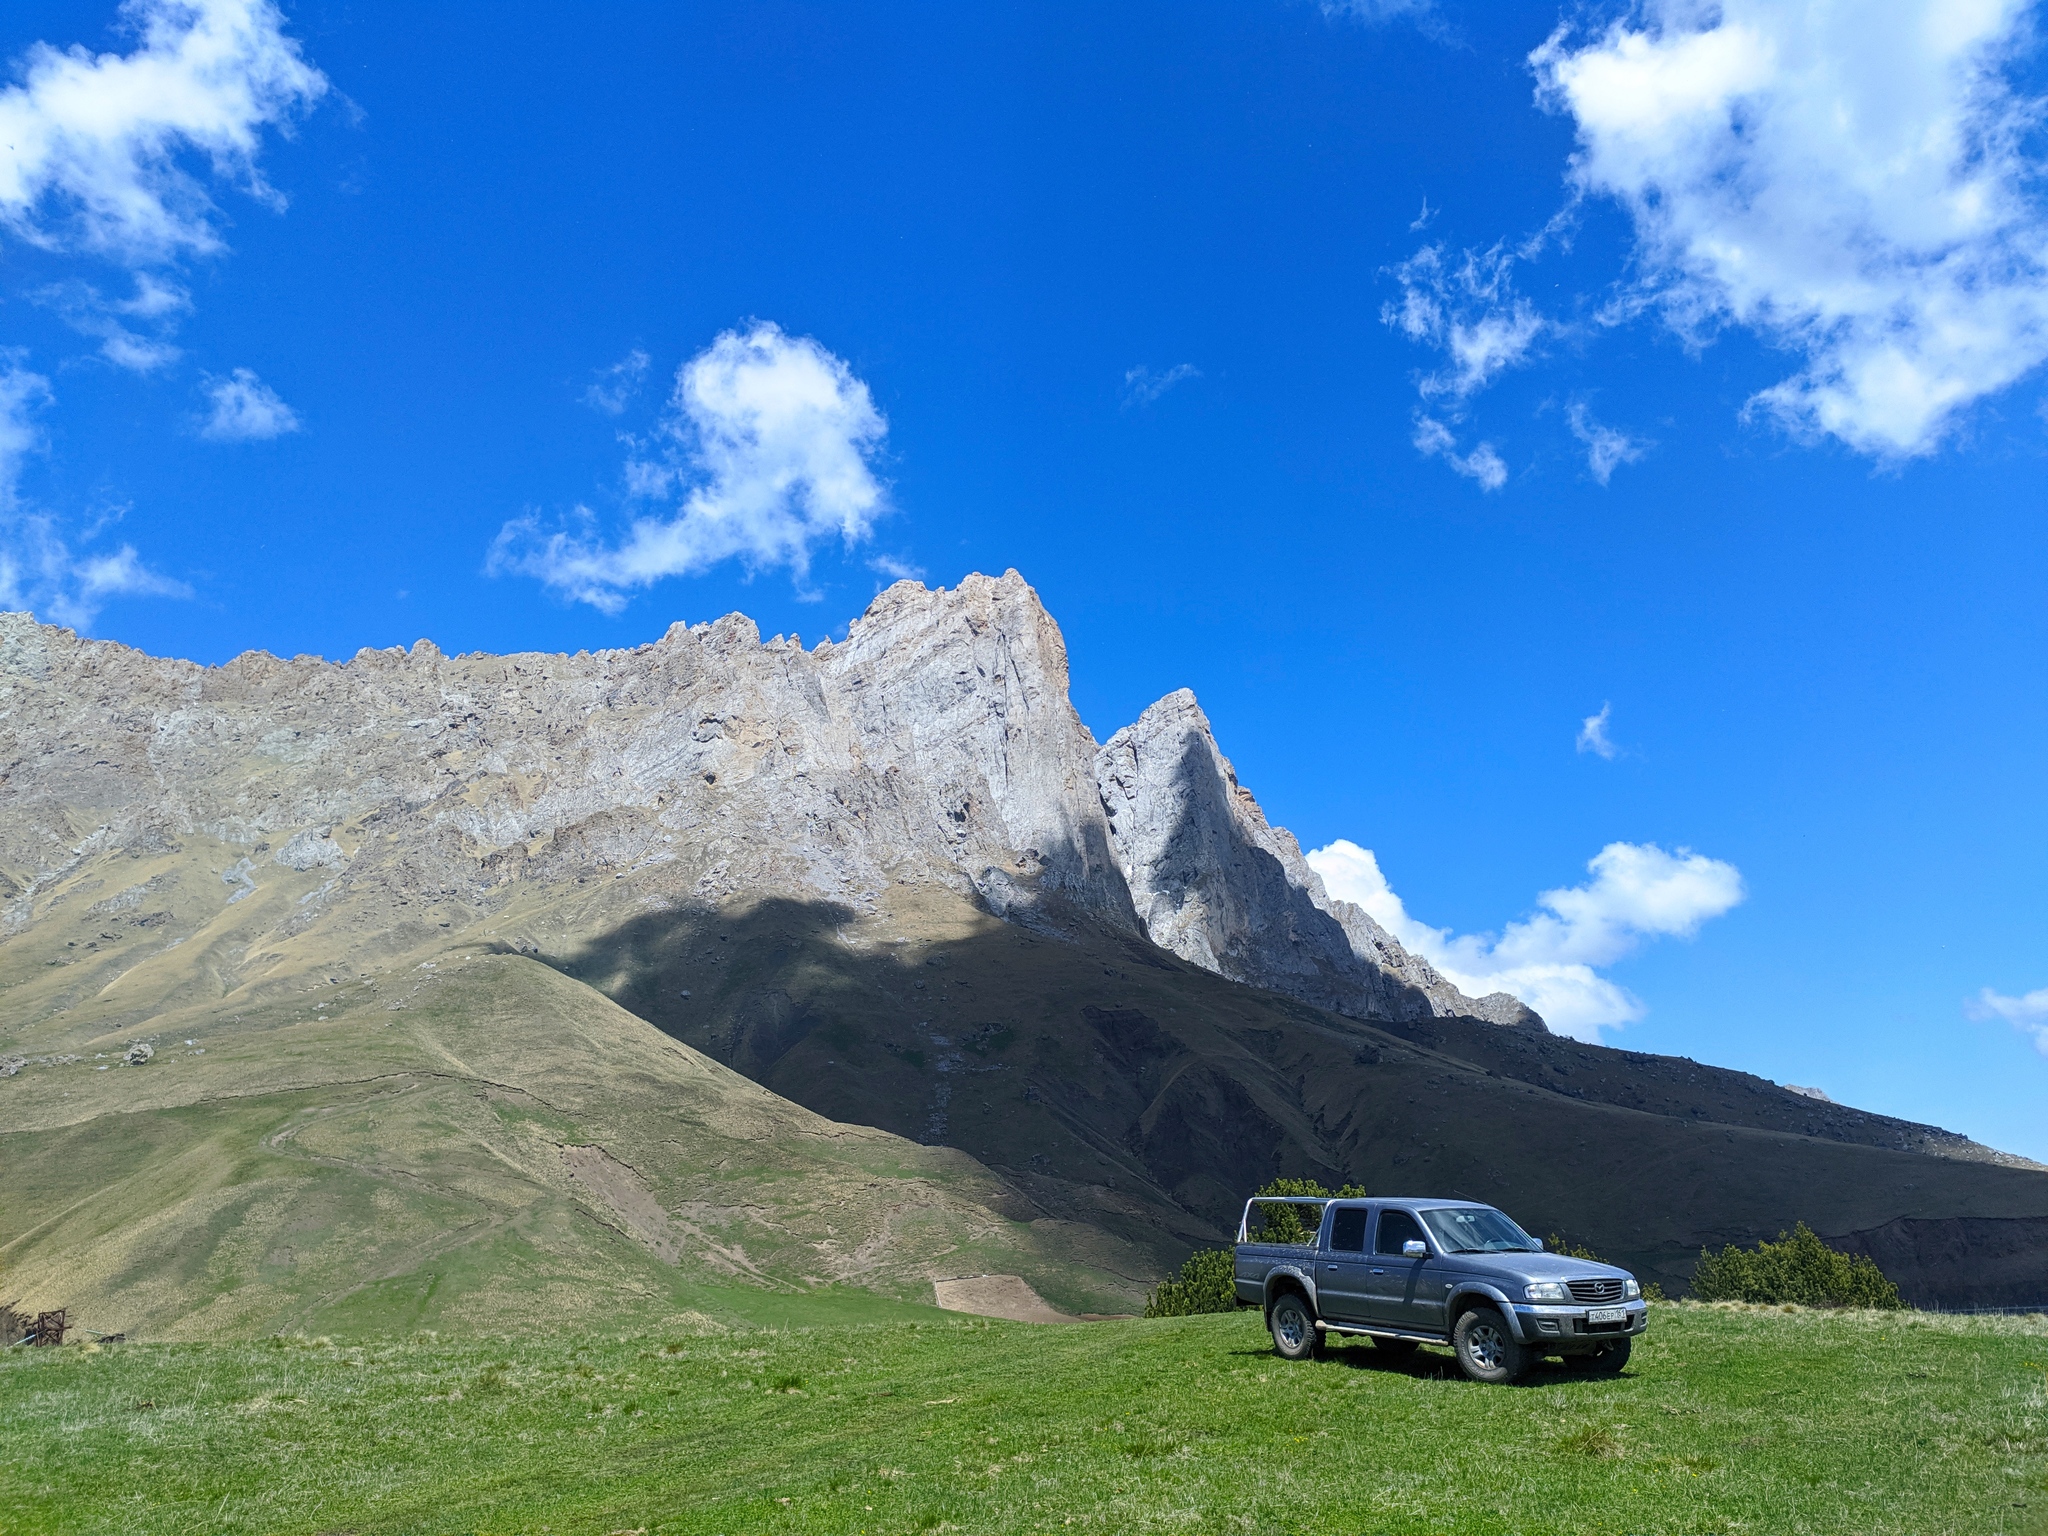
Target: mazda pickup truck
<point x="1407" y="1272"/>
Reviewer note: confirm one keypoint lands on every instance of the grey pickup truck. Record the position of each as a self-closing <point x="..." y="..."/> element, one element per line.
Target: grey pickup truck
<point x="1404" y="1272"/>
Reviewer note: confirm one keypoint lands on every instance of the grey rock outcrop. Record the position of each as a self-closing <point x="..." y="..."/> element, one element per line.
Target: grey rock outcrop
<point x="937" y="744"/>
<point x="1216" y="883"/>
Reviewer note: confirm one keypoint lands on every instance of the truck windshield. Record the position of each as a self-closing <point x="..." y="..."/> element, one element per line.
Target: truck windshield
<point x="1478" y="1229"/>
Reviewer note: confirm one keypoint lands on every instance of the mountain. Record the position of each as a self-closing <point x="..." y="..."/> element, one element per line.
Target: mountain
<point x="1016" y="998"/>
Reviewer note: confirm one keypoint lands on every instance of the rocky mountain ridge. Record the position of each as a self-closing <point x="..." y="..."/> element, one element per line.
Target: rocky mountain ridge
<point x="936" y="744"/>
<point x="892" y="882"/>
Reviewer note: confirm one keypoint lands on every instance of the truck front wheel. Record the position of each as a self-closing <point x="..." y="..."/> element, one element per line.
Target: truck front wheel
<point x="1487" y="1351"/>
<point x="1607" y="1361"/>
<point x="1294" y="1331"/>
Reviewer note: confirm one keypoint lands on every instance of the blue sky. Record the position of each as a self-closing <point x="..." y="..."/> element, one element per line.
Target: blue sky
<point x="1413" y="382"/>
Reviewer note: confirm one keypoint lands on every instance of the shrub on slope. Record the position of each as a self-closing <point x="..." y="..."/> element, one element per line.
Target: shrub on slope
<point x="1206" y="1282"/>
<point x="1799" y="1268"/>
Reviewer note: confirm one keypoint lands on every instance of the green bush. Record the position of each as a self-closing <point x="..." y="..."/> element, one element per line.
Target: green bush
<point x="1558" y="1243"/>
<point x="1207" y="1281"/>
<point x="1206" y="1284"/>
<point x="1298" y="1223"/>
<point x="1800" y="1269"/>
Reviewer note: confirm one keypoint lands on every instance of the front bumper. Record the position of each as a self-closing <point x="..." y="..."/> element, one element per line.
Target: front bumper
<point x="1565" y="1326"/>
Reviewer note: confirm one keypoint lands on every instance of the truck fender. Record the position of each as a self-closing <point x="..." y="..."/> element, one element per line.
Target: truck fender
<point x="1474" y="1291"/>
<point x="1302" y="1280"/>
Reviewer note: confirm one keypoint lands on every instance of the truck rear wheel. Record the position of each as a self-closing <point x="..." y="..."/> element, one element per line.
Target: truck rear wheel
<point x="1294" y="1331"/>
<point x="1487" y="1351"/>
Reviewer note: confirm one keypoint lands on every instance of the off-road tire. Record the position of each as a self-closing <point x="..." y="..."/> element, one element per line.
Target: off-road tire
<point x="1608" y="1361"/>
<point x="1488" y="1350"/>
<point x="1294" y="1329"/>
<point x="1395" y="1349"/>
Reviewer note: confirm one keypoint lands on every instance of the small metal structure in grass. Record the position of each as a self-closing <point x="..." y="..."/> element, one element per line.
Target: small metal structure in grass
<point x="16" y="1327"/>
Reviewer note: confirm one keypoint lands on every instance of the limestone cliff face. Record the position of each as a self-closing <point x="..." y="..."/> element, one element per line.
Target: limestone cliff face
<point x="1218" y="885"/>
<point x="936" y="745"/>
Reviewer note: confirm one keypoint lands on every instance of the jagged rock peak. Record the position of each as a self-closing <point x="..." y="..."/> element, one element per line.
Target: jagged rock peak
<point x="1216" y="883"/>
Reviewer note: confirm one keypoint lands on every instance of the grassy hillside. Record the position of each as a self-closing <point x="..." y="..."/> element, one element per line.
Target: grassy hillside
<point x="480" y="1143"/>
<point x="1727" y="1421"/>
<point x="585" y="1099"/>
<point x="1123" y="1086"/>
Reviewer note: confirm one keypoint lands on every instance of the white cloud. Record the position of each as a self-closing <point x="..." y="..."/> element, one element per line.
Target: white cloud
<point x="89" y="144"/>
<point x="1433" y="439"/>
<point x="1852" y="182"/>
<point x="157" y="304"/>
<point x="1593" y="734"/>
<point x="1142" y="386"/>
<point x="39" y="571"/>
<point x="1421" y="13"/>
<point x="1551" y="960"/>
<point x="1376" y="10"/>
<point x="20" y="393"/>
<point x="245" y="410"/>
<point x="97" y="157"/>
<point x="772" y="435"/>
<point x="614" y="387"/>
<point x="2028" y="1012"/>
<point x="1606" y="449"/>
<point x="1469" y="310"/>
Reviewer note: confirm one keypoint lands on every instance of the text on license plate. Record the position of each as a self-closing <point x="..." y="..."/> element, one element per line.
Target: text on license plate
<point x="1607" y="1315"/>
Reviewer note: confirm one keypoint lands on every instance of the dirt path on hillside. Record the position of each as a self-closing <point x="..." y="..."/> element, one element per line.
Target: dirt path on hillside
<point x="997" y="1296"/>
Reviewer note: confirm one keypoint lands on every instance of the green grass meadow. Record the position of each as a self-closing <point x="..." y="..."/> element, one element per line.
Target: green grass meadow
<point x="1729" y="1419"/>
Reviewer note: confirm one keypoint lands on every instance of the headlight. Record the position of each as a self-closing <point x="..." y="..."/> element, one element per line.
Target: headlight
<point x="1631" y="1290"/>
<point x="1545" y="1290"/>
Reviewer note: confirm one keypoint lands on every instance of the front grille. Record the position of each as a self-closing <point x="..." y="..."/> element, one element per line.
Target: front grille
<point x="1594" y="1292"/>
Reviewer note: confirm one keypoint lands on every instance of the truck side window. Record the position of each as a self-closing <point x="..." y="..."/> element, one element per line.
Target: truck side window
<point x="1347" y="1229"/>
<point x="1396" y="1228"/>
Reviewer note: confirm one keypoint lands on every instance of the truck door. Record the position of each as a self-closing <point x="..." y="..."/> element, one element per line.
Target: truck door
<point x="1340" y="1272"/>
<point x="1395" y="1283"/>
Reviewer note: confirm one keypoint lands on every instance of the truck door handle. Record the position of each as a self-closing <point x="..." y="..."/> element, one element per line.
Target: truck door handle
<point x="1378" y="1271"/>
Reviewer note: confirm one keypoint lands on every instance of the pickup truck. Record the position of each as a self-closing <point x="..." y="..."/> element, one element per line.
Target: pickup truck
<point x="1405" y="1272"/>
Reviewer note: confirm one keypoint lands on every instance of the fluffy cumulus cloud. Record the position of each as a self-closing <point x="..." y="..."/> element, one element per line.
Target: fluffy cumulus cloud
<point x="90" y="144"/>
<point x="766" y="449"/>
<point x="108" y="158"/>
<point x="1855" y="183"/>
<point x="2028" y="1012"/>
<point x="39" y="569"/>
<point x="241" y="408"/>
<point x="1552" y="960"/>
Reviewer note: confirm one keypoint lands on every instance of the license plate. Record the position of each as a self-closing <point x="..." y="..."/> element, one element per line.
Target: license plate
<point x="1607" y="1315"/>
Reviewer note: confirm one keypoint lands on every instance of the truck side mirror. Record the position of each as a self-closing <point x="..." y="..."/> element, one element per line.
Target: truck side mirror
<point x="1415" y="1248"/>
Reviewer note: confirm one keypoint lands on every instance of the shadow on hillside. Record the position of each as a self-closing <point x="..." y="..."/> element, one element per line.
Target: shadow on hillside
<point x="1057" y="1060"/>
<point x="1112" y="1084"/>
